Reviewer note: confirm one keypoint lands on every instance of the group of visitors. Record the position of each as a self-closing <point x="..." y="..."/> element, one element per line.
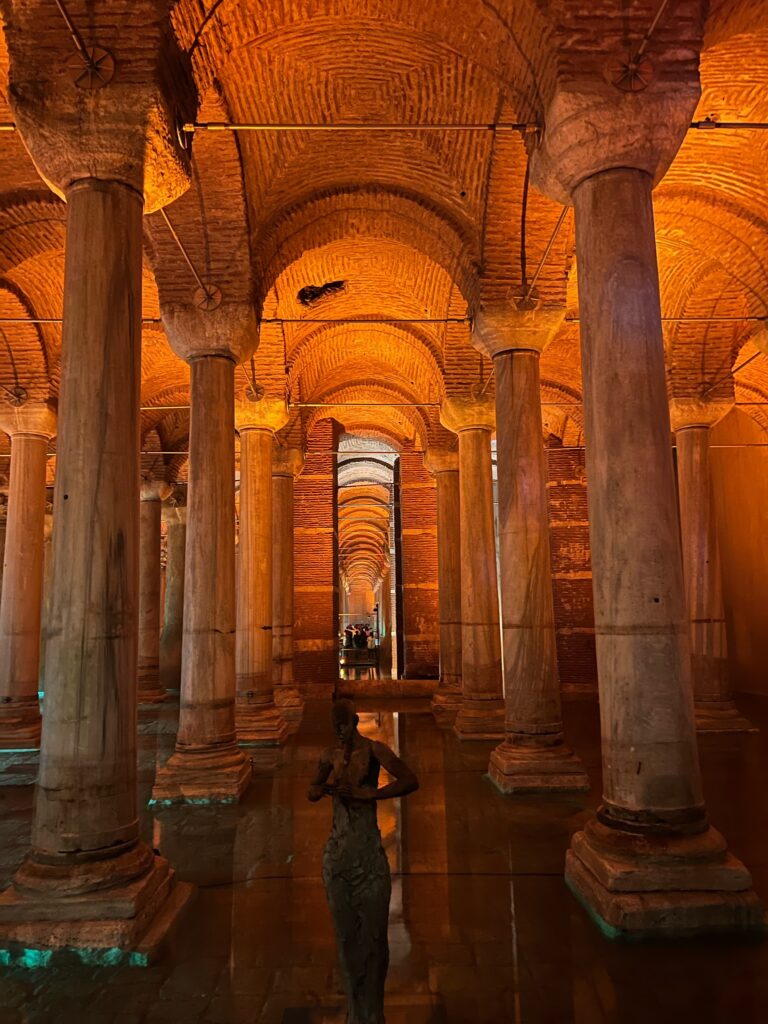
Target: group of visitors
<point x="359" y="635"/>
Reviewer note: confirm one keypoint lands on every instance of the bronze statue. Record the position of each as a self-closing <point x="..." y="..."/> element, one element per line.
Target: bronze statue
<point x="355" y="868"/>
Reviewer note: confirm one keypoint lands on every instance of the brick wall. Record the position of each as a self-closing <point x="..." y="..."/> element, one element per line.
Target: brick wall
<point x="571" y="569"/>
<point x="316" y="594"/>
<point x="418" y="585"/>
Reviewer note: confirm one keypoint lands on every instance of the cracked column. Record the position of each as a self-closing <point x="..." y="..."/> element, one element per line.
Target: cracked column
<point x="30" y="428"/>
<point x="259" y="722"/>
<point x="481" y="715"/>
<point x="533" y="756"/>
<point x="713" y="702"/>
<point x="89" y="883"/>
<point x="175" y="517"/>
<point x="287" y="464"/>
<point x="648" y="862"/>
<point x="443" y="464"/>
<point x="208" y="766"/>
<point x="153" y="493"/>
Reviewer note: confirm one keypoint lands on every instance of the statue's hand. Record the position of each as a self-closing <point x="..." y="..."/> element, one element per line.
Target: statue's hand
<point x="316" y="793"/>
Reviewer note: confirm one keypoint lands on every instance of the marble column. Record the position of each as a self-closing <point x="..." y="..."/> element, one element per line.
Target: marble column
<point x="533" y="756"/>
<point x="89" y="883"/>
<point x="287" y="463"/>
<point x="259" y="722"/>
<point x="714" y="706"/>
<point x="30" y="427"/>
<point x="648" y="861"/>
<point x="443" y="464"/>
<point x="207" y="765"/>
<point x="481" y="715"/>
<point x="175" y="517"/>
<point x="153" y="493"/>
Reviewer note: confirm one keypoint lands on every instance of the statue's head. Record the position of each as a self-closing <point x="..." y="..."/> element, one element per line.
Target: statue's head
<point x="344" y="719"/>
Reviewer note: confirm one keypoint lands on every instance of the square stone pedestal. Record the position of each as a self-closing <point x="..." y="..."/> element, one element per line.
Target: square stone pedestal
<point x="676" y="888"/>
<point x="120" y="925"/>
<point x="530" y="769"/>
<point x="260" y="726"/>
<point x="289" y="703"/>
<point x="721" y="717"/>
<point x="445" y="707"/>
<point x="202" y="777"/>
<point x="480" y="720"/>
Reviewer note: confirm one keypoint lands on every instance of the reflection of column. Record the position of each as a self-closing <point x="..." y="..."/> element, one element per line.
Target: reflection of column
<point x="651" y="835"/>
<point x="88" y="880"/>
<point x="443" y="464"/>
<point x="207" y="764"/>
<point x="175" y="516"/>
<point x="286" y="466"/>
<point x="258" y="720"/>
<point x="153" y="493"/>
<point x="533" y="756"/>
<point x="713" y="703"/>
<point x="481" y="715"/>
<point x="30" y="428"/>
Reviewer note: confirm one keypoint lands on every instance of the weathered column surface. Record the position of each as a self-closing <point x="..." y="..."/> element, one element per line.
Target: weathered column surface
<point x="89" y="882"/>
<point x="443" y="464"/>
<point x="713" y="702"/>
<point x="287" y="464"/>
<point x="648" y="862"/>
<point x="533" y="756"/>
<point x="175" y="516"/>
<point x="153" y="493"/>
<point x="481" y="715"/>
<point x="30" y="427"/>
<point x="259" y="722"/>
<point x="208" y="766"/>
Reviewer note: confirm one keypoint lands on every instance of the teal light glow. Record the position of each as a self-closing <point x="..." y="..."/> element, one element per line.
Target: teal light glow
<point x="35" y="958"/>
<point x="193" y="801"/>
<point x="19" y="750"/>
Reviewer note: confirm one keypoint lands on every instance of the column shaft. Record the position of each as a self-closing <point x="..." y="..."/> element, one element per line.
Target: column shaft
<point x="533" y="756"/>
<point x="481" y="715"/>
<point x="648" y="861"/>
<point x="713" y="702"/>
<point x="207" y="764"/>
<point x="150" y="690"/>
<point x="447" y="698"/>
<point x="258" y="721"/>
<point x="286" y="696"/>
<point x="86" y="799"/>
<point x="173" y="618"/>
<point x="21" y="602"/>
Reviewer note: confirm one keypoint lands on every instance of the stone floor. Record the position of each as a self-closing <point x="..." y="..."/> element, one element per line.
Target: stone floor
<point x="482" y="926"/>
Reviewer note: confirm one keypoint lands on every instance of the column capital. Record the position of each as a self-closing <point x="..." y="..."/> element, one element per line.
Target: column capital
<point x="458" y="414"/>
<point x="34" y="419"/>
<point x="231" y="330"/>
<point x="441" y="460"/>
<point x="121" y="126"/>
<point x="623" y="112"/>
<point x="696" y="412"/>
<point x="501" y="327"/>
<point x="266" y="414"/>
<point x="287" y="462"/>
<point x="155" y="490"/>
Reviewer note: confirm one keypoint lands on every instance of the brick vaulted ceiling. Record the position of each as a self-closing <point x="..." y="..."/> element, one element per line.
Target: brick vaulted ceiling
<point x="411" y="222"/>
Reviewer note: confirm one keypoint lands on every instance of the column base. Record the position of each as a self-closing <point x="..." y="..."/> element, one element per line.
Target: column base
<point x="122" y="924"/>
<point x="212" y="775"/>
<point x="515" y="768"/>
<point x="152" y="696"/>
<point x="259" y="725"/>
<point x="445" y="706"/>
<point x="721" y="716"/>
<point x="641" y="886"/>
<point x="20" y="724"/>
<point x="480" y="720"/>
<point x="289" y="703"/>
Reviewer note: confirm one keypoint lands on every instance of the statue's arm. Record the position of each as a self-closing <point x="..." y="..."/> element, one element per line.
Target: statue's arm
<point x="319" y="787"/>
<point x="404" y="780"/>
